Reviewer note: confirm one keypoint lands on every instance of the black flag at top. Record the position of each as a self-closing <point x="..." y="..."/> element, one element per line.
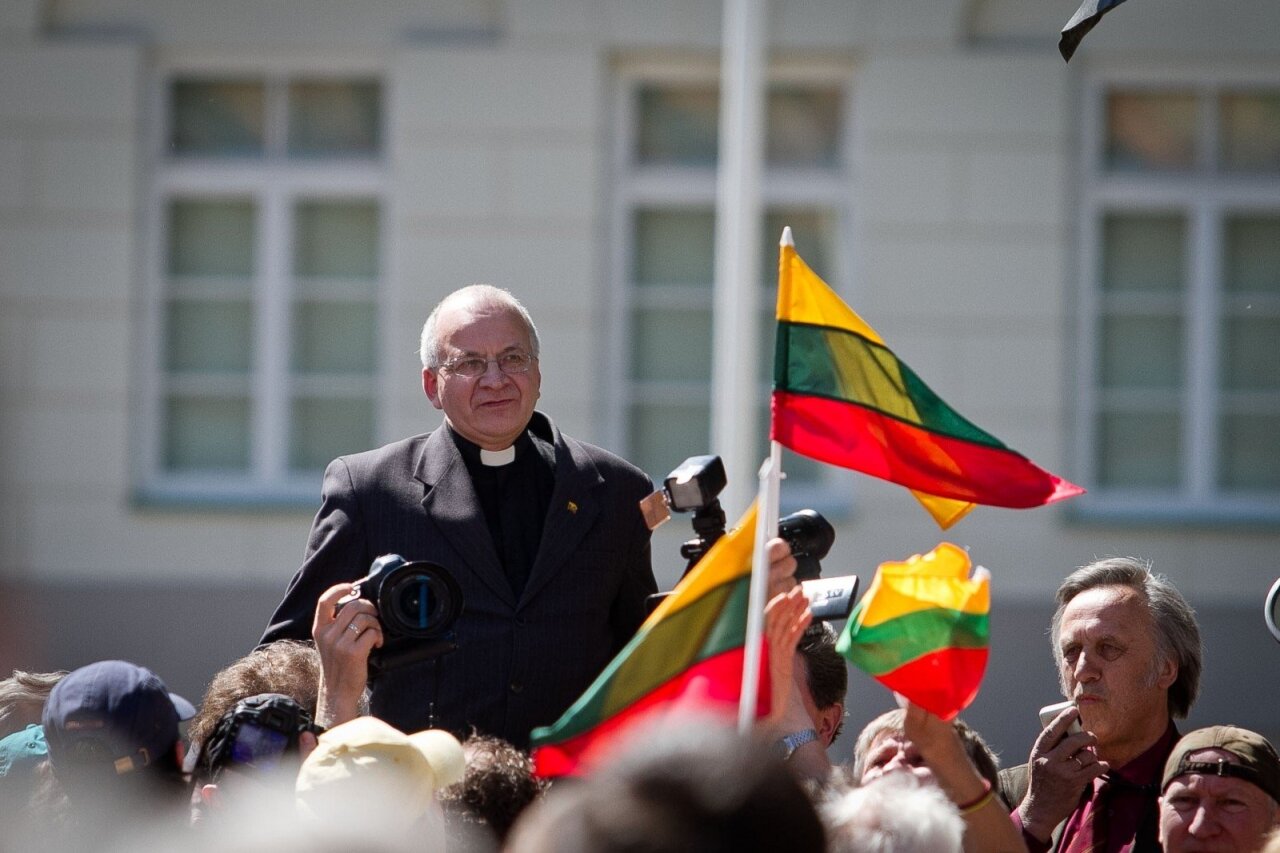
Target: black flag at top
<point x="1085" y="19"/>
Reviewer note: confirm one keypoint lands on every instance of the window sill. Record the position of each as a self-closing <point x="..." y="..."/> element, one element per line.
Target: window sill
<point x="1222" y="514"/>
<point x="225" y="498"/>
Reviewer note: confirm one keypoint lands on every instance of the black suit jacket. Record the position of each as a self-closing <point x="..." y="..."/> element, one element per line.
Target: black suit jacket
<point x="520" y="661"/>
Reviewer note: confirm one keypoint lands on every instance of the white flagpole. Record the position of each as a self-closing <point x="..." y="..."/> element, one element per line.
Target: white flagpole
<point x="766" y="529"/>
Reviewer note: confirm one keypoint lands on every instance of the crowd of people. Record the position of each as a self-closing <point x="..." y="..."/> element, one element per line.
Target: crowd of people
<point x="296" y="747"/>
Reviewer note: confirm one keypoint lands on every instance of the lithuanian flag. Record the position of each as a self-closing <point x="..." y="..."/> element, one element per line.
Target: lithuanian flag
<point x="841" y="396"/>
<point x="687" y="656"/>
<point x="921" y="629"/>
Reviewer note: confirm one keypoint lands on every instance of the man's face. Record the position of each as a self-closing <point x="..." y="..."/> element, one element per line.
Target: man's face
<point x="494" y="408"/>
<point x="1208" y="814"/>
<point x="1111" y="669"/>
<point x="890" y="751"/>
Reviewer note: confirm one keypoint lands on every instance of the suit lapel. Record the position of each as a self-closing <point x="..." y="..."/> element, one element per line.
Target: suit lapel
<point x="453" y="510"/>
<point x="574" y="507"/>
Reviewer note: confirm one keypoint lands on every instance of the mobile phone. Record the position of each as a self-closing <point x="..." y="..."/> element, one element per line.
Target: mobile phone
<point x="1048" y="712"/>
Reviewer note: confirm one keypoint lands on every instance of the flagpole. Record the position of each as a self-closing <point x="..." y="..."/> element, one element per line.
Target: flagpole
<point x="766" y="529"/>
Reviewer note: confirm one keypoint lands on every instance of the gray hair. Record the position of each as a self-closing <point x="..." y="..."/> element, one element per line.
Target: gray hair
<point x="1177" y="634"/>
<point x="893" y="814"/>
<point x="477" y="295"/>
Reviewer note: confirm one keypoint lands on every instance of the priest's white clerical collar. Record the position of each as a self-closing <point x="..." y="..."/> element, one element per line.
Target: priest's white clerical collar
<point x="498" y="458"/>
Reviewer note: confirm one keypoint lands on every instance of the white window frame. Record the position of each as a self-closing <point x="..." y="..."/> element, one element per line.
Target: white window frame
<point x="635" y="186"/>
<point x="275" y="183"/>
<point x="1203" y="197"/>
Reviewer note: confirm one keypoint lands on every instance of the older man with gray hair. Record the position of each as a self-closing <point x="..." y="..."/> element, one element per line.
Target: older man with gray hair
<point x="1129" y="658"/>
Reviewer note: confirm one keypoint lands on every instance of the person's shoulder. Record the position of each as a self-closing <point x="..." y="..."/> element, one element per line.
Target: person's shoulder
<point x="610" y="464"/>
<point x="1014" y="782"/>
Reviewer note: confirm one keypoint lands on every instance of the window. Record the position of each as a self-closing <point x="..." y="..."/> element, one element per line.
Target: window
<point x="665" y="234"/>
<point x="1181" y="300"/>
<point x="265" y="276"/>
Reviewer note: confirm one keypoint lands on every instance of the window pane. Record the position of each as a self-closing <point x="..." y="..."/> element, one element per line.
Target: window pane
<point x="677" y="125"/>
<point x="1141" y="352"/>
<point x="680" y="125"/>
<point x="336" y="239"/>
<point x="1143" y="252"/>
<point x="209" y="337"/>
<point x="1253" y="254"/>
<point x="333" y="337"/>
<point x="1251" y="353"/>
<point x="1250" y="452"/>
<point x="211" y="238"/>
<point x="1139" y="450"/>
<point x="1151" y="131"/>
<point x="1251" y="132"/>
<point x="217" y="118"/>
<point x="323" y="429"/>
<point x="335" y="118"/>
<point x="663" y="436"/>
<point x="675" y="247"/>
<point x="206" y="434"/>
<point x="671" y="344"/>
<point x="803" y="126"/>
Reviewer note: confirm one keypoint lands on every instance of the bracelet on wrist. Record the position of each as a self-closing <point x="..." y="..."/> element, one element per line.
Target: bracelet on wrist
<point x="988" y="794"/>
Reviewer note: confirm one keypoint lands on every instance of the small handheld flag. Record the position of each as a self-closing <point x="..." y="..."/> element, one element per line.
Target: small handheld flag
<point x="922" y="629"/>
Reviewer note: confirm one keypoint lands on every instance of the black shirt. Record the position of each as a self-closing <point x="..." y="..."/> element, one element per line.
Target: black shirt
<point x="514" y="498"/>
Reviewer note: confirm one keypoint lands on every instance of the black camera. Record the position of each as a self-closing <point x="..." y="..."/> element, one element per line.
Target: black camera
<point x="694" y="486"/>
<point x="418" y="603"/>
<point x="810" y="537"/>
<point x="259" y="733"/>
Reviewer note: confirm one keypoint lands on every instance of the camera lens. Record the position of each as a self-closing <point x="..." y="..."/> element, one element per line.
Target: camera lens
<point x="419" y="600"/>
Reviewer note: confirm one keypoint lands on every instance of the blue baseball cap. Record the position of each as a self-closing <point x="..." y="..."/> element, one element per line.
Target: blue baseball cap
<point x="112" y="715"/>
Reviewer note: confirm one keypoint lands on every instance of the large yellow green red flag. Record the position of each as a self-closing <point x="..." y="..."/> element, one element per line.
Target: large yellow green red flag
<point x="841" y="396"/>
<point x="922" y="629"/>
<point x="688" y="656"/>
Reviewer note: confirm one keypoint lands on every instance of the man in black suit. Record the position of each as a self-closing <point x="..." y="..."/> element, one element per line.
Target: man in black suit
<point x="542" y="532"/>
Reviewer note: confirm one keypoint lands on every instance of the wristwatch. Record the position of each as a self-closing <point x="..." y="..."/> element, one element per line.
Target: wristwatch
<point x="788" y="744"/>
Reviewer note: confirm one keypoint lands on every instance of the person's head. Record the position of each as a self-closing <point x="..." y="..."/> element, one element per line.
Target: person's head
<point x="823" y="679"/>
<point x="254" y="751"/>
<point x="479" y="354"/>
<point x="688" y="786"/>
<point x="882" y="748"/>
<point x="498" y="785"/>
<point x="367" y="772"/>
<point x="1128" y="651"/>
<point x="285" y="666"/>
<point x="1220" y="792"/>
<point x="112" y="734"/>
<point x="894" y="813"/>
<point x="22" y="699"/>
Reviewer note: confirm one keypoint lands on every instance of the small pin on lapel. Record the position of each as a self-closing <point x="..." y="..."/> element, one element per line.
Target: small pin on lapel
<point x="573" y="507"/>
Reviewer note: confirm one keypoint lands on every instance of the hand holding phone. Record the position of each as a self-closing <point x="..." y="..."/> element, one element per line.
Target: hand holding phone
<point x="1050" y="712"/>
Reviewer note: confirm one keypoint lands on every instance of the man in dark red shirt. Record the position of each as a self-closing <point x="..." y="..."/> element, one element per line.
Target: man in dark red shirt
<point x="1129" y="657"/>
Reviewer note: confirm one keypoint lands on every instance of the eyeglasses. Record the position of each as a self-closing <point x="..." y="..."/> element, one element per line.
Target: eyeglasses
<point x="511" y="363"/>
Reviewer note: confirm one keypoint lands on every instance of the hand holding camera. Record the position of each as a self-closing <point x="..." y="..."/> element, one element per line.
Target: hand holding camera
<point x="346" y="630"/>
